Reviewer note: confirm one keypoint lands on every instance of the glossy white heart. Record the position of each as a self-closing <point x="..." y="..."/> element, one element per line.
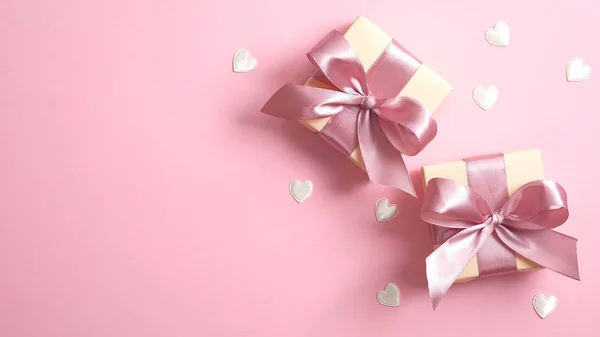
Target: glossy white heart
<point x="543" y="305"/>
<point x="384" y="211"/>
<point x="485" y="97"/>
<point x="577" y="70"/>
<point x="390" y="297"/>
<point x="301" y="190"/>
<point x="243" y="62"/>
<point x="499" y="35"/>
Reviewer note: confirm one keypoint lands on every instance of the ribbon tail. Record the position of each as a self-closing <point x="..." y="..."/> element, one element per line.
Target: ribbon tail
<point x="550" y="249"/>
<point x="446" y="263"/>
<point x="383" y="161"/>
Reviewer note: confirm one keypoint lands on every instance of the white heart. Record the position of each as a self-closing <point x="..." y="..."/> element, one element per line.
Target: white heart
<point x="384" y="211"/>
<point x="543" y="305"/>
<point x="390" y="297"/>
<point x="577" y="70"/>
<point x="243" y="62"/>
<point x="301" y="190"/>
<point x="499" y="35"/>
<point x="485" y="97"/>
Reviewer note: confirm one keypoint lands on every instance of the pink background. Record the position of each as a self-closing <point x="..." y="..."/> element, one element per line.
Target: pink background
<point x="143" y="194"/>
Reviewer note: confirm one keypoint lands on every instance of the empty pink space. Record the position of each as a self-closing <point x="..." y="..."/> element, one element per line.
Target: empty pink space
<point x="142" y="193"/>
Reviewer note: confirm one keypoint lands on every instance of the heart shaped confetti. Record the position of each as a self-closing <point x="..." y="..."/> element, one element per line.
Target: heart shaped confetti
<point x="243" y="62"/>
<point x="543" y="305"/>
<point x="301" y="190"/>
<point x="577" y="70"/>
<point x="384" y="211"/>
<point x="485" y="97"/>
<point x="499" y="35"/>
<point x="390" y="297"/>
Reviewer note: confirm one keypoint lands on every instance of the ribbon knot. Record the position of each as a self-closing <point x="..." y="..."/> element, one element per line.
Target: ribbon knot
<point x="368" y="102"/>
<point x="523" y="224"/>
<point x="496" y="219"/>
<point x="398" y="125"/>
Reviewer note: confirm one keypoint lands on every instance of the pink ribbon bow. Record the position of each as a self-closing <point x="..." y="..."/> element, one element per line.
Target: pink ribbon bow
<point x="523" y="224"/>
<point x="382" y="127"/>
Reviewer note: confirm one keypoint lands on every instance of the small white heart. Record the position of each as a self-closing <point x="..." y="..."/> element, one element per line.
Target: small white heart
<point x="577" y="70"/>
<point x="485" y="97"/>
<point x="301" y="190"/>
<point x="390" y="297"/>
<point x="384" y="211"/>
<point x="243" y="62"/>
<point x="543" y="305"/>
<point x="499" y="35"/>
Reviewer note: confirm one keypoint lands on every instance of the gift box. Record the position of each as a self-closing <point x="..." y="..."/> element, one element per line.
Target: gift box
<point x="370" y="98"/>
<point x="491" y="215"/>
<point x="521" y="167"/>
<point x="368" y="42"/>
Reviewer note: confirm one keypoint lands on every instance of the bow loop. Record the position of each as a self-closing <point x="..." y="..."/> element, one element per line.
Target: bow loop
<point x="450" y="204"/>
<point x="300" y="102"/>
<point x="407" y="124"/>
<point x="334" y="58"/>
<point x="540" y="204"/>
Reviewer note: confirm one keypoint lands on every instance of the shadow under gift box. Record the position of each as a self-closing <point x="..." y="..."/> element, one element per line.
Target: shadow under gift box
<point x="369" y="42"/>
<point x="521" y="167"/>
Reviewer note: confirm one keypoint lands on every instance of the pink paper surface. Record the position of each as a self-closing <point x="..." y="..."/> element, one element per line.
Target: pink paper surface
<point x="143" y="194"/>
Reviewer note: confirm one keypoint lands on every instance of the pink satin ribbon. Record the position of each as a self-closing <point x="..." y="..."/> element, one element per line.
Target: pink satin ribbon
<point x="520" y="224"/>
<point x="365" y="112"/>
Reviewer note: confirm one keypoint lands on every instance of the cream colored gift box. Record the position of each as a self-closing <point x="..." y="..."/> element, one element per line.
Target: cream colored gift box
<point x="521" y="168"/>
<point x="369" y="42"/>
